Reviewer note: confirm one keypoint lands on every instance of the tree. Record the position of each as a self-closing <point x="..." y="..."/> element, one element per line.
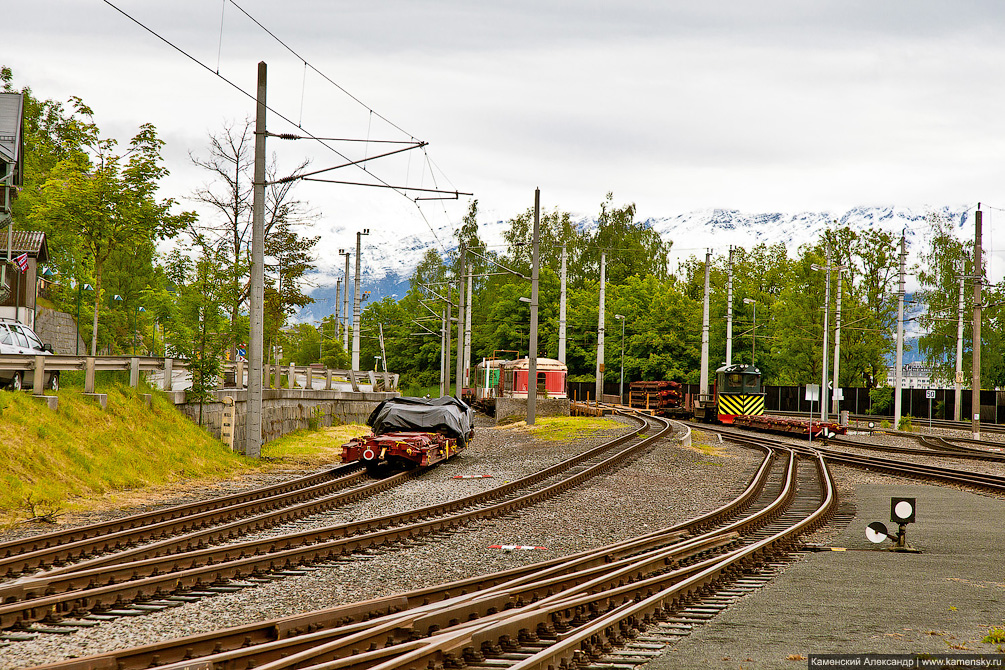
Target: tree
<point x="946" y="260"/>
<point x="230" y="163"/>
<point x="632" y="248"/>
<point x="200" y="329"/>
<point x="102" y="203"/>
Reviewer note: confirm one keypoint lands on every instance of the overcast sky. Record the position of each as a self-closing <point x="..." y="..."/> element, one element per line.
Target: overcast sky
<point x="777" y="105"/>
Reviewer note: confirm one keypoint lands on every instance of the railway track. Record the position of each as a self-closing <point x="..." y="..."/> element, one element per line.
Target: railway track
<point x="17" y="556"/>
<point x="140" y="583"/>
<point x="583" y="609"/>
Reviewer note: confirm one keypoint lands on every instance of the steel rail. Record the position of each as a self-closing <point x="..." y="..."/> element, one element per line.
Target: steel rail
<point x="546" y="591"/>
<point x="895" y="467"/>
<point x="199" y="527"/>
<point x="554" y="615"/>
<point x="38" y="542"/>
<point x="291" y="634"/>
<point x="127" y="564"/>
<point x="215" y="565"/>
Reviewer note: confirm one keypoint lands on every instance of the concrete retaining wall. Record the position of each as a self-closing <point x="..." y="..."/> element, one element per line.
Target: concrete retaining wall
<point x="283" y="410"/>
<point x="511" y="410"/>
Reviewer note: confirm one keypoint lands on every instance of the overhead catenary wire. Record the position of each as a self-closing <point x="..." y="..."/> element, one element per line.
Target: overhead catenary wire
<point x="280" y="115"/>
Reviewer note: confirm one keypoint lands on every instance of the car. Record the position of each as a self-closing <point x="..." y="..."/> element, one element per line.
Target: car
<point x="17" y="338"/>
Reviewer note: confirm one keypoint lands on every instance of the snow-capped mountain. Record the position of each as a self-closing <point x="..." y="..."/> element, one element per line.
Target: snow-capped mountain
<point x="389" y="258"/>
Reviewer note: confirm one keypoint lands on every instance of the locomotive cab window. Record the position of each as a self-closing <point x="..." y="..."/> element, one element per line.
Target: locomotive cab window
<point x="542" y="380"/>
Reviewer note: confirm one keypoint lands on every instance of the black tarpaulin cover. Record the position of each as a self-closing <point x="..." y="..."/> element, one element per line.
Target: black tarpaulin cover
<point x="445" y="415"/>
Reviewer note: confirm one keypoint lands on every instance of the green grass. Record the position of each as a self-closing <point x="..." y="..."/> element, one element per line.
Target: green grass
<point x="312" y="448"/>
<point x="81" y="457"/>
<point x="565" y="428"/>
<point x="63" y="459"/>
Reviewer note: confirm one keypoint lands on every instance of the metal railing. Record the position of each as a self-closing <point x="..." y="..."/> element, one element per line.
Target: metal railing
<point x="167" y="366"/>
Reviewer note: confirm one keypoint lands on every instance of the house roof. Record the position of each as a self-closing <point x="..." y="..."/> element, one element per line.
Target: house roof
<point x="31" y="242"/>
<point x="11" y="125"/>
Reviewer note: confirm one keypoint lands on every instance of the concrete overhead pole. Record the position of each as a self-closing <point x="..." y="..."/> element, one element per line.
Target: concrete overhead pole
<point x="703" y="375"/>
<point x="446" y="342"/>
<point x="532" y="349"/>
<point x="561" y="311"/>
<point x="256" y="295"/>
<point x="729" y="308"/>
<point x="461" y="297"/>
<point x="356" y="302"/>
<point x="600" y="327"/>
<point x="975" y="387"/>
<point x="345" y="302"/>
<point x="836" y="394"/>
<point x="899" y="372"/>
<point x="467" y="332"/>
<point x="827" y="309"/>
<point x="338" y="306"/>
<point x="958" y="382"/>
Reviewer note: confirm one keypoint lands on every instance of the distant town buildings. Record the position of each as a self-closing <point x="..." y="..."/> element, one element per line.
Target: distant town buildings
<point x="914" y="376"/>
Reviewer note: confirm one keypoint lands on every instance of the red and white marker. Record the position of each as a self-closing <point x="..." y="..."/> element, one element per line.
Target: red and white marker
<point x="513" y="547"/>
<point x="472" y="477"/>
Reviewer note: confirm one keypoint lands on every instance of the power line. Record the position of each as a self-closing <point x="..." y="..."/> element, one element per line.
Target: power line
<point x="279" y="114"/>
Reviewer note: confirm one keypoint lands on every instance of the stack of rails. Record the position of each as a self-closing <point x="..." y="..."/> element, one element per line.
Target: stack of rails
<point x="665" y="398"/>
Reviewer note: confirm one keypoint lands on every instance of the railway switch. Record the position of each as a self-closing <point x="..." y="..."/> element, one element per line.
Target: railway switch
<point x="902" y="512"/>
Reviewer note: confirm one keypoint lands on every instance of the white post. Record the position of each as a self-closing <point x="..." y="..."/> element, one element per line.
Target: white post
<point x="958" y="383"/>
<point x="827" y="309"/>
<point x="836" y="394"/>
<point x="561" y="311"/>
<point x="600" y="327"/>
<point x="898" y="374"/>
<point x="729" y="308"/>
<point x="703" y="379"/>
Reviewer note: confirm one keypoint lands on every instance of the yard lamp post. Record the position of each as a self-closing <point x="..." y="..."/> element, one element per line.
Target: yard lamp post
<point x="85" y="287"/>
<point x="115" y="298"/>
<point x="136" y="319"/>
<point x="621" y="387"/>
<point x="753" y="336"/>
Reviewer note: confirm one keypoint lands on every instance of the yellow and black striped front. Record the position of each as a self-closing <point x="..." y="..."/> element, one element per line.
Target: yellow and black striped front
<point x="741" y="403"/>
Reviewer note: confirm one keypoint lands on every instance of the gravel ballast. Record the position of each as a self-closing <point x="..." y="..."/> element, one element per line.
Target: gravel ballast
<point x="665" y="485"/>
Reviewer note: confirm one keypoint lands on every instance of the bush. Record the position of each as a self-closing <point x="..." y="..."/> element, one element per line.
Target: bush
<point x="905" y="423"/>
<point x="881" y="400"/>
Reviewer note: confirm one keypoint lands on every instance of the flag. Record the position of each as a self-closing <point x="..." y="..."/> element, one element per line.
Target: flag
<point x="22" y="262"/>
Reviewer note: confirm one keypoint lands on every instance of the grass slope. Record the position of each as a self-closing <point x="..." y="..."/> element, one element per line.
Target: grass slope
<point x="50" y="458"/>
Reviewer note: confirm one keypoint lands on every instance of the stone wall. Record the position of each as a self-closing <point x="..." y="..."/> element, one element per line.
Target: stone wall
<point x="511" y="410"/>
<point x="284" y="410"/>
<point x="58" y="329"/>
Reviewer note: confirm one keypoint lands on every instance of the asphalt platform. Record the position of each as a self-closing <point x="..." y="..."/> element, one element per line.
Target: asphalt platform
<point x="867" y="600"/>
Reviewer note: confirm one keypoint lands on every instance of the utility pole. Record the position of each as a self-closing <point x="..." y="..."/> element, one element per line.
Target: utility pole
<point x="446" y="341"/>
<point x="467" y="332"/>
<point x="729" y="308"/>
<point x="459" y="373"/>
<point x="600" y="327"/>
<point x="355" y="303"/>
<point x="836" y="394"/>
<point x="256" y="296"/>
<point x="345" y="302"/>
<point x="958" y="384"/>
<point x="532" y="353"/>
<point x="975" y="388"/>
<point x="338" y="306"/>
<point x="703" y="379"/>
<point x="444" y="375"/>
<point x="827" y="309"/>
<point x="899" y="374"/>
<point x="561" y="312"/>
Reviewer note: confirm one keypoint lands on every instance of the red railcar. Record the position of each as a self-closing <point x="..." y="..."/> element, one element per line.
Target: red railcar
<point x="405" y="449"/>
<point x="412" y="432"/>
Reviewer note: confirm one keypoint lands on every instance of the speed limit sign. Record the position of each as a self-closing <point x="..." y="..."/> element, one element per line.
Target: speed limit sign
<point x="930" y="393"/>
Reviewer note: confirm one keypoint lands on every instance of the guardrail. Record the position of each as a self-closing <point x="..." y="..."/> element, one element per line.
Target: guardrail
<point x="136" y="364"/>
